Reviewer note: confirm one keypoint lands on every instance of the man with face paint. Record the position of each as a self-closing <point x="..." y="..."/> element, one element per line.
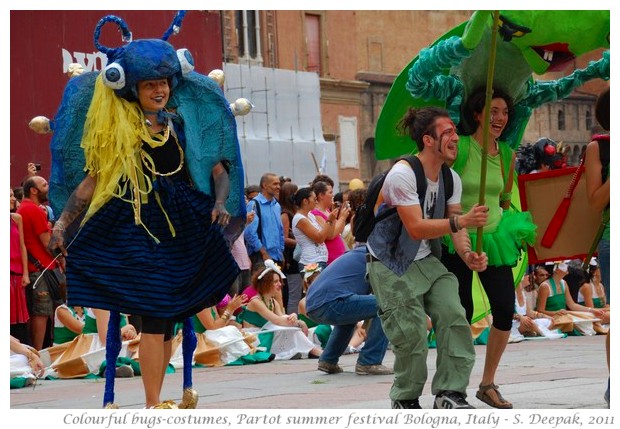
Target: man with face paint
<point x="407" y="275"/>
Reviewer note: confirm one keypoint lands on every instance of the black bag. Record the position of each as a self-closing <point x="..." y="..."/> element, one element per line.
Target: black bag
<point x="365" y="220"/>
<point x="56" y="285"/>
<point x="53" y="278"/>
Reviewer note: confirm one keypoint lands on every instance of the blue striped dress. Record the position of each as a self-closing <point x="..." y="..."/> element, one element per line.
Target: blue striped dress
<point x="114" y="264"/>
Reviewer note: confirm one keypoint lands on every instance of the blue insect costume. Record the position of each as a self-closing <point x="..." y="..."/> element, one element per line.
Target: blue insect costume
<point x="146" y="244"/>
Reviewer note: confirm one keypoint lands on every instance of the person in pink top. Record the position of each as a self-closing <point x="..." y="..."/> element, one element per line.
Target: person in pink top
<point x="325" y="202"/>
<point x="19" y="277"/>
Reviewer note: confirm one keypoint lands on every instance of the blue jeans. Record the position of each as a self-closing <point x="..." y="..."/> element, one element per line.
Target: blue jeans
<point x="344" y="313"/>
<point x="604" y="264"/>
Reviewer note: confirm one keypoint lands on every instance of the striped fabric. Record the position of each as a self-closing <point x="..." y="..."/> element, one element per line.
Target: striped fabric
<point x="114" y="264"/>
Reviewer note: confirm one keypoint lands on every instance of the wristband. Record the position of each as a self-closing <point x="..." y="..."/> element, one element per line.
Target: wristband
<point x="453" y="225"/>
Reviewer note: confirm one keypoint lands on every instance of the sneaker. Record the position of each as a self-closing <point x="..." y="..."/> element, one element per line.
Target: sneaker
<point x="372" y="370"/>
<point x="449" y="399"/>
<point x="124" y="371"/>
<point x="407" y="404"/>
<point x="330" y="368"/>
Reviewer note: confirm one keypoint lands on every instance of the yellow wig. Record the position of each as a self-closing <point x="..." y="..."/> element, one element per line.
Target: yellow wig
<point x="113" y="134"/>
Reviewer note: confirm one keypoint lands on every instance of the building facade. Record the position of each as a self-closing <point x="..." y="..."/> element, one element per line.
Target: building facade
<point x="358" y="54"/>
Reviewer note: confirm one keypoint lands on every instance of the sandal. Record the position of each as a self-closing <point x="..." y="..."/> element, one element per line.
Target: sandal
<point x="483" y="395"/>
<point x="166" y="405"/>
<point x="190" y="399"/>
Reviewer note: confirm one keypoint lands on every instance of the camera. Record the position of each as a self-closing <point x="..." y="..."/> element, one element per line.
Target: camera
<point x="37" y="167"/>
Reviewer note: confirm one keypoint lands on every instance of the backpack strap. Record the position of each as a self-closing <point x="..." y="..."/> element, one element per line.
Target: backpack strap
<point x="448" y="184"/>
<point x="413" y="162"/>
<point x="420" y="177"/>
<point x="421" y="184"/>
<point x="259" y="228"/>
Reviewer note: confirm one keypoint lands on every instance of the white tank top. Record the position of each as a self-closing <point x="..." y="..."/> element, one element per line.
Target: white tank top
<point x="311" y="252"/>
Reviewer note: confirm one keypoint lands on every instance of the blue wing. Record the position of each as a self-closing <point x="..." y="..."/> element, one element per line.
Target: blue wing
<point x="211" y="136"/>
<point x="209" y="126"/>
<point x="67" y="155"/>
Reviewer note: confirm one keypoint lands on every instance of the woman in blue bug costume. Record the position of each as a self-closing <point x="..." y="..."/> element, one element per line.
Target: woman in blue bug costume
<point x="147" y="220"/>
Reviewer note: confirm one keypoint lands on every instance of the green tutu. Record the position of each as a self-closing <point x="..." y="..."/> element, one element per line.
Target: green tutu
<point x="503" y="246"/>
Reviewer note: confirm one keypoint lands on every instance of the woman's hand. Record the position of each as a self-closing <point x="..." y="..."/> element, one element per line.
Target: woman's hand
<point x="236" y="302"/>
<point x="302" y="325"/>
<point x="25" y="279"/>
<point x="35" y="363"/>
<point x="31" y="169"/>
<point x="476" y="262"/>
<point x="345" y="210"/>
<point x="292" y="319"/>
<point x="333" y="215"/>
<point x="250" y="218"/>
<point x="128" y="332"/>
<point x="527" y="323"/>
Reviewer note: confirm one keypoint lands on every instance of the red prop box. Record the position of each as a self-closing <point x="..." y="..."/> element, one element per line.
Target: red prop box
<point x="541" y="194"/>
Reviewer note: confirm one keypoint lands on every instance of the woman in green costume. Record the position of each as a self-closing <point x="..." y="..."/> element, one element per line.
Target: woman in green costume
<point x="505" y="235"/>
<point x="592" y="293"/>
<point x="447" y="74"/>
<point x="287" y="333"/>
<point x="554" y="297"/>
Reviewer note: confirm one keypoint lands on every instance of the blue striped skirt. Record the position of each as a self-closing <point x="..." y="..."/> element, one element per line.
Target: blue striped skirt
<point x="114" y="264"/>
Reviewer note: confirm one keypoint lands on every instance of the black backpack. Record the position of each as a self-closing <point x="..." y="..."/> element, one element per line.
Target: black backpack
<point x="365" y="220"/>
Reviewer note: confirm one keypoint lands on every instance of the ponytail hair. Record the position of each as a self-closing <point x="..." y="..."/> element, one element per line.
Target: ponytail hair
<point x="301" y="195"/>
<point x="419" y="122"/>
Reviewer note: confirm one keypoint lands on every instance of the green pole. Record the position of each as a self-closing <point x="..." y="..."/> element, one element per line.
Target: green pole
<point x="486" y="123"/>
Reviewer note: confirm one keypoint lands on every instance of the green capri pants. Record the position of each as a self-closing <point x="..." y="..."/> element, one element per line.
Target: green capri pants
<point x="426" y="288"/>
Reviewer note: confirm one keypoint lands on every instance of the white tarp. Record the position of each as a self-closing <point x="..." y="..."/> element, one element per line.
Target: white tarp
<point x="283" y="129"/>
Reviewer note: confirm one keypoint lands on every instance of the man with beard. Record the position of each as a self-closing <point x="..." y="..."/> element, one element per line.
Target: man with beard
<point x="406" y="272"/>
<point x="36" y="237"/>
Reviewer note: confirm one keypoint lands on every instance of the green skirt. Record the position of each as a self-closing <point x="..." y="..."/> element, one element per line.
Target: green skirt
<point x="504" y="246"/>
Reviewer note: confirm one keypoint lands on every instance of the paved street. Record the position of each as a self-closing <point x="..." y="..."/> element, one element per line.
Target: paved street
<point x="570" y="373"/>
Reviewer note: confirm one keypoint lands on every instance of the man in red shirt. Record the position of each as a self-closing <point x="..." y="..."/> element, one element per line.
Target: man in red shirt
<point x="36" y="237"/>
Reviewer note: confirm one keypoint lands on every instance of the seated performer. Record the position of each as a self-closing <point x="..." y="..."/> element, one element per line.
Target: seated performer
<point x="287" y="337"/>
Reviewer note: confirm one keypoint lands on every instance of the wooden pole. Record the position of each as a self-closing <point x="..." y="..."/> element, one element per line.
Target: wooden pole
<point x="487" y="123"/>
<point x="316" y="164"/>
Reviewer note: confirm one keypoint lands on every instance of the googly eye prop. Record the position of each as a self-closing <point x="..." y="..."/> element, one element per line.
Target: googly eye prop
<point x="143" y="59"/>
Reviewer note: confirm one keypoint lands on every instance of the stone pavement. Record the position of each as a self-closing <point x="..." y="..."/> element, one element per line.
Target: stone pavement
<point x="569" y="373"/>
